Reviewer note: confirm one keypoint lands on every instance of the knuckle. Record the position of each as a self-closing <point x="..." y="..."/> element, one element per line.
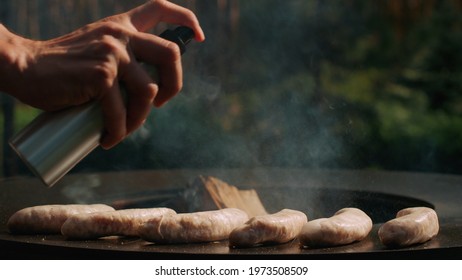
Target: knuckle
<point x="112" y="28"/>
<point x="102" y="45"/>
<point x="107" y="44"/>
<point x="172" y="89"/>
<point x="172" y="51"/>
<point x="107" y="56"/>
<point x="150" y="93"/>
<point x="190" y="15"/>
<point x="104" y="75"/>
<point x="159" y="3"/>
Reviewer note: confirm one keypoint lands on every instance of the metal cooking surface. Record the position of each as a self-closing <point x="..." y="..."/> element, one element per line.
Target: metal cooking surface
<point x="318" y="201"/>
<point x="114" y="247"/>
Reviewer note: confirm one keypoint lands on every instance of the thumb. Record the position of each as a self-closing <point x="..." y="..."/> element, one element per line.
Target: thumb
<point x="153" y="12"/>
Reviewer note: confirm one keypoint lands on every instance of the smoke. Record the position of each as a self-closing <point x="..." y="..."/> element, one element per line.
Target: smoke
<point x="83" y="189"/>
<point x="251" y="98"/>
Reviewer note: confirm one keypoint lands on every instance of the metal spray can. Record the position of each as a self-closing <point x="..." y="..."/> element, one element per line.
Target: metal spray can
<point x="54" y="142"/>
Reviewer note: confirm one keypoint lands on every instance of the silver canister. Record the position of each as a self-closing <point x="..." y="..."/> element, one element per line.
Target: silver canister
<point x="54" y="142"/>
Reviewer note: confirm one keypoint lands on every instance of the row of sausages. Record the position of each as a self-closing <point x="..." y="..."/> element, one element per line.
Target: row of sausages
<point x="164" y="225"/>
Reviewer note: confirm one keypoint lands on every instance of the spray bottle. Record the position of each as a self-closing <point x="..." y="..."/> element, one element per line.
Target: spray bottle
<point x="54" y="142"/>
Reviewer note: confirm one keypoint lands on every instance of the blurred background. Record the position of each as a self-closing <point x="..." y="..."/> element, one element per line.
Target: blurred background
<point x="345" y="84"/>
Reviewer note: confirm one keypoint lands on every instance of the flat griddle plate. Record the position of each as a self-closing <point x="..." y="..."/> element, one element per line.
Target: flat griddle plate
<point x="322" y="202"/>
<point x="446" y="244"/>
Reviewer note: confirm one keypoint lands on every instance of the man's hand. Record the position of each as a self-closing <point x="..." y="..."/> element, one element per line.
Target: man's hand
<point x="88" y="64"/>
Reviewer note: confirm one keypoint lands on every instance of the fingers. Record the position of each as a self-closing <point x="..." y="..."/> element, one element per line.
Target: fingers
<point x="166" y="57"/>
<point x="141" y="93"/>
<point x="123" y="117"/>
<point x="114" y="117"/>
<point x="170" y="80"/>
<point x="150" y="14"/>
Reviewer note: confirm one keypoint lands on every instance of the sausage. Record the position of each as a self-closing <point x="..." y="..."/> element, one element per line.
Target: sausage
<point x="99" y="224"/>
<point x="411" y="226"/>
<point x="280" y="227"/>
<point x="48" y="219"/>
<point x="205" y="226"/>
<point x="344" y="227"/>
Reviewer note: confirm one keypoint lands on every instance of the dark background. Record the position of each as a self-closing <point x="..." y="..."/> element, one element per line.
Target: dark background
<point x="301" y="83"/>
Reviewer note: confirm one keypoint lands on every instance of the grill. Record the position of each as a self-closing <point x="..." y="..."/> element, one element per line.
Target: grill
<point x="319" y="193"/>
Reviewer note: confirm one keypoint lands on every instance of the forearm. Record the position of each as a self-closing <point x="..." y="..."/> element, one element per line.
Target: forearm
<point x="13" y="60"/>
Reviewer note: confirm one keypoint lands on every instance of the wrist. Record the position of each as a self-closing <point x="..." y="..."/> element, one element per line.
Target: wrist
<point x="15" y="54"/>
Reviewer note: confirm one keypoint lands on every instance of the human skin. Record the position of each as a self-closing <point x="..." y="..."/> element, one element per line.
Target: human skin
<point x="88" y="64"/>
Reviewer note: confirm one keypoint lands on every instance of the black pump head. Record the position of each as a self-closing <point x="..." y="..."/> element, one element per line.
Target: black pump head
<point x="181" y="35"/>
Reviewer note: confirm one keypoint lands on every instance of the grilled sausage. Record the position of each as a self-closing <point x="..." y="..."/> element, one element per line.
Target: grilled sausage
<point x="346" y="226"/>
<point x="206" y="226"/>
<point x="280" y="227"/>
<point x="48" y="219"/>
<point x="411" y="226"/>
<point x="99" y="224"/>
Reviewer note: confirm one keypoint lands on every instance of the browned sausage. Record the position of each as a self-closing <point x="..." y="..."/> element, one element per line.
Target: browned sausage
<point x="346" y="226"/>
<point x="48" y="219"/>
<point x="203" y="226"/>
<point x="279" y="227"/>
<point x="411" y="226"/>
<point x="99" y="224"/>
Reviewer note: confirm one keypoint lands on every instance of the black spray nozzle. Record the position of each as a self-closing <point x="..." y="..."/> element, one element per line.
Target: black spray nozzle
<point x="181" y="35"/>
